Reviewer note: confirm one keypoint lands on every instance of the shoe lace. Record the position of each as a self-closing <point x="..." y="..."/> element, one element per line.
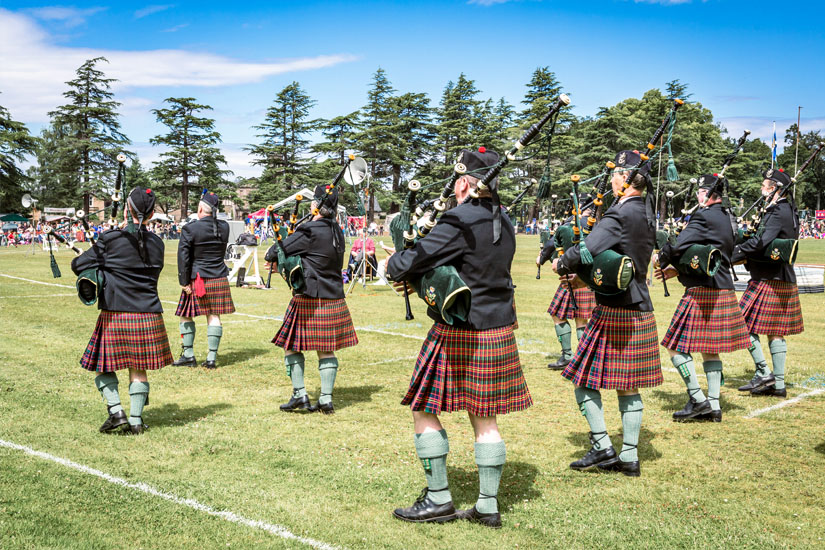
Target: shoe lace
<point x="423" y="496"/>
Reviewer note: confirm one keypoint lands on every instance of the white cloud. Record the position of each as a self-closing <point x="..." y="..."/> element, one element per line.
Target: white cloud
<point x="34" y="69"/>
<point x="150" y="10"/>
<point x="237" y="159"/>
<point x="70" y="17"/>
<point x="176" y="28"/>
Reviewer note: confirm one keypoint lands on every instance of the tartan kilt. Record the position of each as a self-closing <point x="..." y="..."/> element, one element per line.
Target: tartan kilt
<point x="125" y="340"/>
<point x="618" y="351"/>
<point x="708" y="320"/>
<point x="216" y="301"/>
<point x="772" y="307"/>
<point x="316" y="324"/>
<point x="474" y="370"/>
<point x="562" y="307"/>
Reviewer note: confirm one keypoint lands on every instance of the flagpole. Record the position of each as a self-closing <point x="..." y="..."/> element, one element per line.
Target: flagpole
<point x="773" y="146"/>
<point x="796" y="159"/>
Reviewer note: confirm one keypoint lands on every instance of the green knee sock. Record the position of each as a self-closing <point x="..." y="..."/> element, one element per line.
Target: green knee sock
<point x="327" y="368"/>
<point x="490" y="459"/>
<point x="579" y="333"/>
<point x="563" y="333"/>
<point x="432" y="449"/>
<point x="295" y="371"/>
<point x="590" y="404"/>
<point x="713" y="372"/>
<point x="138" y="395"/>
<point x="684" y="364"/>
<point x="187" y="336"/>
<point x="631" y="408"/>
<point x="758" y="356"/>
<point x="213" y="339"/>
<point x="107" y="385"/>
<point x="779" y="349"/>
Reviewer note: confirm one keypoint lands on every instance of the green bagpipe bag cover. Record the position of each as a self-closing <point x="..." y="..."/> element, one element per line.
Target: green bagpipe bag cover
<point x="445" y="293"/>
<point x="782" y="250"/>
<point x="564" y="237"/>
<point x="700" y="259"/>
<point x="88" y="284"/>
<point x="398" y="226"/>
<point x="741" y="236"/>
<point x="662" y="237"/>
<point x="610" y="273"/>
<point x="291" y="269"/>
<point x="545" y="236"/>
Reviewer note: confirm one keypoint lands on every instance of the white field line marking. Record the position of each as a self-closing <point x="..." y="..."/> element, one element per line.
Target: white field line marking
<point x="797" y="399"/>
<point x="38" y="296"/>
<point x="395" y="360"/>
<point x="273" y="529"/>
<point x="33" y="281"/>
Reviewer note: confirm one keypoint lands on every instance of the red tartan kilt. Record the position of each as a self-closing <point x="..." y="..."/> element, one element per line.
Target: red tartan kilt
<point x="216" y="301"/>
<point x="316" y="324"/>
<point x="473" y="370"/>
<point x="562" y="307"/>
<point x="124" y="340"/>
<point x="618" y="351"/>
<point x="772" y="308"/>
<point x="708" y="320"/>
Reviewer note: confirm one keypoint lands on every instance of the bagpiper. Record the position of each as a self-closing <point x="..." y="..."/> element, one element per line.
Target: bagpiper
<point x="202" y="274"/>
<point x="708" y="319"/>
<point x="771" y="302"/>
<point x="129" y="333"/>
<point x="619" y="349"/>
<point x="317" y="318"/>
<point x="470" y="365"/>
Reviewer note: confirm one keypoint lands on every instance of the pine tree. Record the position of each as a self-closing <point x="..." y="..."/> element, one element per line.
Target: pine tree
<point x="456" y="118"/>
<point x="192" y="156"/>
<point x="15" y="143"/>
<point x="90" y="132"/>
<point x="340" y="134"/>
<point x="812" y="181"/>
<point x="411" y="130"/>
<point x="375" y="137"/>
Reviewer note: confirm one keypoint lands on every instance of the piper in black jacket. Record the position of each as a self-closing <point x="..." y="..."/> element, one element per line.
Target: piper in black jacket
<point x="202" y="276"/>
<point x="318" y="318"/>
<point x="708" y="319"/>
<point x="471" y="365"/>
<point x="771" y="302"/>
<point x="129" y="333"/>
<point x="619" y="348"/>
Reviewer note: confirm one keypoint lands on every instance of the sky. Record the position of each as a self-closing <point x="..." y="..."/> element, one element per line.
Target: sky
<point x="750" y="62"/>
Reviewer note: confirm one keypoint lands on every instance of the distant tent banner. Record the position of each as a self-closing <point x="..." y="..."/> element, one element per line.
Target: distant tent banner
<point x="810" y="278"/>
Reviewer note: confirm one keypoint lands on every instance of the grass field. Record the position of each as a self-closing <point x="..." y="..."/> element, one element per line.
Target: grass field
<point x="218" y="437"/>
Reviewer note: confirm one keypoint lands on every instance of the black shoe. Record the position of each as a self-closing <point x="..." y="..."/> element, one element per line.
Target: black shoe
<point x="209" y="364"/>
<point x="325" y="408"/>
<point x="763" y="383"/>
<point x="712" y="416"/>
<point x="630" y="469"/>
<point x="186" y="362"/>
<point x="770" y="391"/>
<point x="296" y="404"/>
<point x="593" y="457"/>
<point x="751" y="384"/>
<point x="114" y="421"/>
<point x="425" y="510"/>
<point x="474" y="516"/>
<point x="136" y="429"/>
<point x="559" y="365"/>
<point x="692" y="410"/>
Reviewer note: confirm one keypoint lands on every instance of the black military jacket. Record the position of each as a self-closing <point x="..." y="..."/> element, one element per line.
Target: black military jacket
<point x="129" y="283"/>
<point x="200" y="251"/>
<point x="322" y="261"/>
<point x="780" y="222"/>
<point x="624" y="228"/>
<point x="463" y="238"/>
<point x="711" y="225"/>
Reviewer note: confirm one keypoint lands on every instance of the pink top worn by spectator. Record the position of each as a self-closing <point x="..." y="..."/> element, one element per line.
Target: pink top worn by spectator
<point x="356" y="246"/>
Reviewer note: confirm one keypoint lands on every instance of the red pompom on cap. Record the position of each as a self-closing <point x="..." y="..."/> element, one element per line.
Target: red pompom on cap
<point x="148" y="191"/>
<point x="781" y="170"/>
<point x="635" y="151"/>
<point x="715" y="175"/>
<point x="482" y="149"/>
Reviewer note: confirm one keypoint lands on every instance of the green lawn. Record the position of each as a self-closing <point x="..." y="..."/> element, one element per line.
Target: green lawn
<point x="219" y="438"/>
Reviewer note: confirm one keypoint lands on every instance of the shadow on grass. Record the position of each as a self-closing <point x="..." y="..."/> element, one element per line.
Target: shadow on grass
<point x="241" y="355"/>
<point x="518" y="481"/>
<point x="676" y="401"/>
<point x="646" y="449"/>
<point x="171" y="414"/>
<point x="346" y="396"/>
<point x="820" y="448"/>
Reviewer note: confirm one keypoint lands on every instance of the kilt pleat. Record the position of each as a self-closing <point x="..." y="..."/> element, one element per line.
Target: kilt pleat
<point x="216" y="301"/>
<point x="708" y="320"/>
<point x="618" y="351"/>
<point x="772" y="307"/>
<point x="125" y="340"/>
<point x="562" y="306"/>
<point x="316" y="324"/>
<point x="474" y="370"/>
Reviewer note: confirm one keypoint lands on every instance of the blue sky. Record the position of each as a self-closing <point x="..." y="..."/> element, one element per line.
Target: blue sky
<point x="749" y="62"/>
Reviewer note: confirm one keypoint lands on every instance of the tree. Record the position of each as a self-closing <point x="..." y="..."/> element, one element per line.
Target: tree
<point x="811" y="183"/>
<point x="375" y="139"/>
<point x="90" y="136"/>
<point x="456" y="116"/>
<point x="340" y="135"/>
<point x="410" y="133"/>
<point x="192" y="155"/>
<point x="15" y="143"/>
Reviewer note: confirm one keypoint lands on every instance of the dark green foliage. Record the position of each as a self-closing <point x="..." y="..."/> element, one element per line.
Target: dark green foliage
<point x="15" y="143"/>
<point x="811" y="183"/>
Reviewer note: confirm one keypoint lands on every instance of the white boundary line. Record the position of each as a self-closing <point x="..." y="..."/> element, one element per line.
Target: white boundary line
<point x="33" y="281"/>
<point x="37" y="296"/>
<point x="271" y="528"/>
<point x="797" y="399"/>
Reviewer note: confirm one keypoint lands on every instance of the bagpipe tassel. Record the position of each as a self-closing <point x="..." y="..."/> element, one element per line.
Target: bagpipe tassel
<point x="55" y="268"/>
<point x="586" y="256"/>
<point x="672" y="174"/>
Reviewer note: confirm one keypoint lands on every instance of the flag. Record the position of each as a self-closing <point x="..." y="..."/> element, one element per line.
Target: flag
<point x="773" y="147"/>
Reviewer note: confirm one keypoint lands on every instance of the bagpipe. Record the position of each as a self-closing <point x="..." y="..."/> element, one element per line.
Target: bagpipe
<point x="442" y="288"/>
<point x="548" y="235"/>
